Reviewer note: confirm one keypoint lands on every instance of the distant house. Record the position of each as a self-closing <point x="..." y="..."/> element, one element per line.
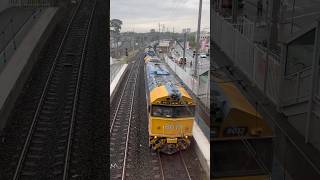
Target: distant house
<point x="204" y="41"/>
<point x="186" y="30"/>
<point x="164" y="46"/>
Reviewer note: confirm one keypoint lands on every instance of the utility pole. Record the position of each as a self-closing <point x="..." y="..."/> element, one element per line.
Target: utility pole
<point x="184" y="45"/>
<point x="267" y="11"/>
<point x="159" y="34"/>
<point x="292" y="14"/>
<point x="133" y="44"/>
<point x="274" y="23"/>
<point x="234" y="11"/>
<point x="133" y="39"/>
<point x="198" y="39"/>
<point x="272" y="39"/>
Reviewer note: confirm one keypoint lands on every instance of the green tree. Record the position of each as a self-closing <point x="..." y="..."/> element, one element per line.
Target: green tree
<point x="115" y="27"/>
<point x="192" y="39"/>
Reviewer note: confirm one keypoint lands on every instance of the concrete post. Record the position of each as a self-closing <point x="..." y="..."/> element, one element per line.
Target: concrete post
<point x="274" y="23"/>
<point x="198" y="39"/>
<point x="234" y="11"/>
<point x="184" y="45"/>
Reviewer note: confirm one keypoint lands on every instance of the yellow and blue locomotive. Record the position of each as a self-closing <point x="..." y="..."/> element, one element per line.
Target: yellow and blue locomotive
<point x="171" y="110"/>
<point x="241" y="136"/>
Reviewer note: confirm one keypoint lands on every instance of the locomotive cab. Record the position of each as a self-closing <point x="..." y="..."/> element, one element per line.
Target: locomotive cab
<point x="238" y="126"/>
<point x="170" y="121"/>
<point x="170" y="109"/>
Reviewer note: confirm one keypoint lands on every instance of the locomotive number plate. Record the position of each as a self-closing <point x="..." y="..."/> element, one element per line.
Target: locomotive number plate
<point x="172" y="140"/>
<point x="235" y="131"/>
<point x="171" y="127"/>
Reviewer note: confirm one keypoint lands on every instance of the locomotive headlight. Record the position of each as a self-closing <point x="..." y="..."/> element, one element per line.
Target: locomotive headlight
<point x="256" y="131"/>
<point x="186" y="137"/>
<point x="155" y="137"/>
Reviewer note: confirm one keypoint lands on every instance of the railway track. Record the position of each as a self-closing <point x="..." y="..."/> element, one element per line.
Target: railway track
<point x="141" y="163"/>
<point x="46" y="152"/>
<point x="121" y="124"/>
<point x="173" y="167"/>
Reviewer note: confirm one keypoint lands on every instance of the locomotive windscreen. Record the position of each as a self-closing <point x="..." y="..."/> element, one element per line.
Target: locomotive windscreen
<point x="172" y="111"/>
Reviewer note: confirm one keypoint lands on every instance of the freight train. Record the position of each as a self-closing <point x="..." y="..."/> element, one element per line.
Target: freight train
<point x="241" y="136"/>
<point x="171" y="110"/>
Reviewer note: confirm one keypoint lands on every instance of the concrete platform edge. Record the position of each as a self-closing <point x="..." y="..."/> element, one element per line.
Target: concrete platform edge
<point x="202" y="148"/>
<point x="9" y="102"/>
<point x="115" y="83"/>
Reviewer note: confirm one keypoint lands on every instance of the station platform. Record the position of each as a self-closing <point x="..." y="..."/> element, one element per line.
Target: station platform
<point x="19" y="65"/>
<point x="118" y="67"/>
<point x="15" y="23"/>
<point x="201" y="130"/>
<point x="11" y="20"/>
<point x="117" y="72"/>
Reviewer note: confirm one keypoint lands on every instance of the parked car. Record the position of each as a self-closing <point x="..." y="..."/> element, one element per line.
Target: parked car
<point x="203" y="55"/>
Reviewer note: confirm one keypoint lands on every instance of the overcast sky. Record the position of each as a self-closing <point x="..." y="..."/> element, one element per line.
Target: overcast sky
<point x="143" y="15"/>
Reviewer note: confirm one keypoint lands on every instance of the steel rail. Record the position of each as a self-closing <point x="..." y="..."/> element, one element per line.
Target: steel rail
<point x="161" y="167"/>
<point x="35" y="117"/>
<point x="185" y="165"/>
<point x="122" y="93"/>
<point x="74" y="108"/>
<point x="129" y="125"/>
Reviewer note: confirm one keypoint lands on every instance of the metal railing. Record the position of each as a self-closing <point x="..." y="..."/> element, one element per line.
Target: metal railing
<point x="11" y="46"/>
<point x="262" y="68"/>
